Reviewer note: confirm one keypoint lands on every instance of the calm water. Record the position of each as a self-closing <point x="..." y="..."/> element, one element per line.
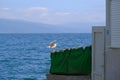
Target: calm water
<point x="26" y="56"/>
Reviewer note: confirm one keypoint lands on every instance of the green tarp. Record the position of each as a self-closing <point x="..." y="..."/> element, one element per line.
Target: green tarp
<point x="71" y="61"/>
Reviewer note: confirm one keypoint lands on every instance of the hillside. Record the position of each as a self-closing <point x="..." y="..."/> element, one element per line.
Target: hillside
<point x="21" y="26"/>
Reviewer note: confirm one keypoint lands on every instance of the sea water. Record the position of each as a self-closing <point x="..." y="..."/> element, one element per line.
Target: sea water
<point x="27" y="57"/>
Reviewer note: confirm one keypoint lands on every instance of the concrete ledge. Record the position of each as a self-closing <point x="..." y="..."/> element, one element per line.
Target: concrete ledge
<point x="68" y="77"/>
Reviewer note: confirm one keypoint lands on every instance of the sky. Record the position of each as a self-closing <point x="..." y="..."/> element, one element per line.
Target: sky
<point x="54" y="11"/>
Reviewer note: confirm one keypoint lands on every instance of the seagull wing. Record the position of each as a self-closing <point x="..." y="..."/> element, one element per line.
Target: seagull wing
<point x="52" y="44"/>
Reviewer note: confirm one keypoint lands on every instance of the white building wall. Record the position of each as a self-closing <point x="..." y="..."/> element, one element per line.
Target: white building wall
<point x="98" y="48"/>
<point x="115" y="23"/>
<point x="112" y="55"/>
<point x="113" y="64"/>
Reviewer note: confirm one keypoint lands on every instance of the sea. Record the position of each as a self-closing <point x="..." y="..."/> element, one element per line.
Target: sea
<point x="27" y="56"/>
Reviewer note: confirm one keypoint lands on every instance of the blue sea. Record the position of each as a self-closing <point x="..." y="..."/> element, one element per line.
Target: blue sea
<point x="26" y="56"/>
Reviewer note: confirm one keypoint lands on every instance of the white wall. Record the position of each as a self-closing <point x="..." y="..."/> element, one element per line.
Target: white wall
<point x="112" y="56"/>
<point x="98" y="53"/>
<point x="113" y="64"/>
<point x="115" y="23"/>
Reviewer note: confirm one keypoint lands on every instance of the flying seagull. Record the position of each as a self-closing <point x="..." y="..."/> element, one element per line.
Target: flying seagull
<point x="52" y="44"/>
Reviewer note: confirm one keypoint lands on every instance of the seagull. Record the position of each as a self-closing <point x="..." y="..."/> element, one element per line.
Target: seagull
<point x="52" y="44"/>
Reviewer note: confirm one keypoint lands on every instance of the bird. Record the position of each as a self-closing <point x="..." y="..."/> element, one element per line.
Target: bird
<point x="52" y="44"/>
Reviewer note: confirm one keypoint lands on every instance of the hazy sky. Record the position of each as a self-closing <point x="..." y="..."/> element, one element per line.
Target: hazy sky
<point x="54" y="11"/>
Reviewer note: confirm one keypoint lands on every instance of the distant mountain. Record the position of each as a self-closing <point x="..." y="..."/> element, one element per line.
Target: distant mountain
<point x="21" y="26"/>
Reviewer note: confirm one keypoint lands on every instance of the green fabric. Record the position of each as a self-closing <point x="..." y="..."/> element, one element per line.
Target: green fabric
<point x="73" y="61"/>
<point x="59" y="62"/>
<point x="86" y="64"/>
